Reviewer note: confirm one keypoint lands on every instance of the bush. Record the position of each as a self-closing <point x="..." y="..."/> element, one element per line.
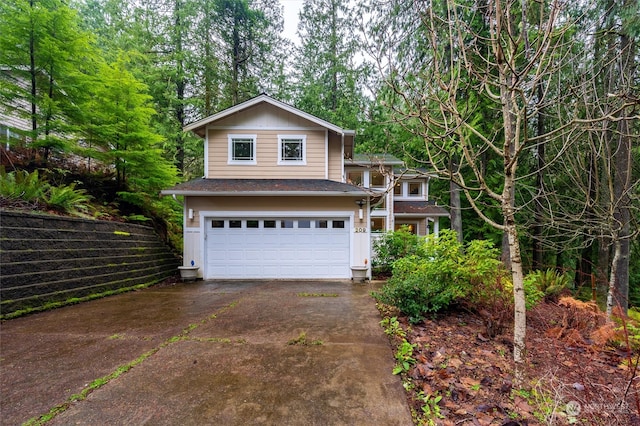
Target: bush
<point x="21" y="185"/>
<point x="394" y="245"/>
<point x="67" y="199"/>
<point x="544" y="284"/>
<point x="445" y="274"/>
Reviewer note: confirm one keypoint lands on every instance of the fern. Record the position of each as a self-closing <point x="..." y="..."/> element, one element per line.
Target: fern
<point x="67" y="199"/>
<point x="21" y="185"/>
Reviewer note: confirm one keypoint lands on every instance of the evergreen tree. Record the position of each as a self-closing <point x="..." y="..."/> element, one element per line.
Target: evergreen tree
<point x="45" y="58"/>
<point x="328" y="78"/>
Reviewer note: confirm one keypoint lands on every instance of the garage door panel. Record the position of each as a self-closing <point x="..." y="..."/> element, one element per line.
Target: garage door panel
<point x="307" y="251"/>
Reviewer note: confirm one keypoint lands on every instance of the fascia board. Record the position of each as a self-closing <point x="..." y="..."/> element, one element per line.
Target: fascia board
<point x="264" y="98"/>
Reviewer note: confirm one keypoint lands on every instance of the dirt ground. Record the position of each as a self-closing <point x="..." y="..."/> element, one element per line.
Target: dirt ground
<point x="464" y="377"/>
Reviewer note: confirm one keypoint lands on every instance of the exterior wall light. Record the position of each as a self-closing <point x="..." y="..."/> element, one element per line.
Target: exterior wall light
<point x="360" y="203"/>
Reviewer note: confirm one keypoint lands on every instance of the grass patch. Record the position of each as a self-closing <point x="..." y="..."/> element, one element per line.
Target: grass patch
<point x="117" y="336"/>
<point x="73" y="300"/>
<point x="302" y="340"/>
<point x="96" y="384"/>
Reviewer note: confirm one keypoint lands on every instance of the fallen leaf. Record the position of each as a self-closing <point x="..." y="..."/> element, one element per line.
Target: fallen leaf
<point x="455" y="362"/>
<point x="470" y="382"/>
<point x="482" y="338"/>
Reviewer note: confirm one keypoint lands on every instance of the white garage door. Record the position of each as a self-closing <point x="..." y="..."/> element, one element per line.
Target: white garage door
<point x="246" y="247"/>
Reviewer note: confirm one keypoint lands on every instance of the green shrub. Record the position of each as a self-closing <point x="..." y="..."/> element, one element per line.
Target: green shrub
<point x="445" y="274"/>
<point x="394" y="245"/>
<point x="67" y="199"/>
<point x="21" y="185"/>
<point x="544" y="284"/>
<point x="427" y="283"/>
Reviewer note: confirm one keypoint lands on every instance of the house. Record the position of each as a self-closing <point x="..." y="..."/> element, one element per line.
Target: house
<point x="399" y="196"/>
<point x="275" y="202"/>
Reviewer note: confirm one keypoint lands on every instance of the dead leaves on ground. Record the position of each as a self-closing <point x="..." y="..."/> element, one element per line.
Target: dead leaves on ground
<point x="473" y="374"/>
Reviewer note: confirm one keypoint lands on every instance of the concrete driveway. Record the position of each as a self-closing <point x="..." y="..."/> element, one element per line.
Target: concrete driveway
<point x="218" y="353"/>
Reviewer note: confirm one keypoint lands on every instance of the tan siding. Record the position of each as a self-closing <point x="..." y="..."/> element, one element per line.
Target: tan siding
<point x="422" y="226"/>
<point x="262" y="204"/>
<point x="335" y="157"/>
<point x="267" y="156"/>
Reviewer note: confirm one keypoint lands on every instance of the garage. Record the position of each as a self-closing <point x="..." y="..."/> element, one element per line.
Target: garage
<point x="277" y="247"/>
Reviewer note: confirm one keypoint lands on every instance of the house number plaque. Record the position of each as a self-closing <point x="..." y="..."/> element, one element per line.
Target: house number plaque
<point x="360" y="230"/>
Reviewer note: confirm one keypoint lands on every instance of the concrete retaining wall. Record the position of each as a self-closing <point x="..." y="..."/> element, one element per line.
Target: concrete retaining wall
<point x="46" y="259"/>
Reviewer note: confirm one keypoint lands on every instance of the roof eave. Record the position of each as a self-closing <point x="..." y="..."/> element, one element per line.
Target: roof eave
<point x="265" y="193"/>
<point x="353" y="162"/>
<point x="422" y="214"/>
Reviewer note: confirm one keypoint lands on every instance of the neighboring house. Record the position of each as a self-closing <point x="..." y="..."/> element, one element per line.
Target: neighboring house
<point x="274" y="201"/>
<point x="14" y="123"/>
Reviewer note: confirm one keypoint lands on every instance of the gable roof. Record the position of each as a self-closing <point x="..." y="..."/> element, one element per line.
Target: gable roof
<point x="199" y="126"/>
<point x="243" y="187"/>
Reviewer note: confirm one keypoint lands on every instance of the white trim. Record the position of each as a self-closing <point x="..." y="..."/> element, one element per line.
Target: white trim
<point x="206" y="154"/>
<point x="281" y="161"/>
<point x="205" y="215"/>
<point x="264" y="98"/>
<point x="230" y="138"/>
<point x="326" y="154"/>
<point x="342" y="157"/>
<point x="278" y="128"/>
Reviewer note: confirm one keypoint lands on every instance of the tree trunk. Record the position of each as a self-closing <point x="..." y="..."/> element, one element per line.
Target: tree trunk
<point x="612" y="297"/>
<point x="455" y="204"/>
<point x="456" y="211"/>
<point x="622" y="178"/>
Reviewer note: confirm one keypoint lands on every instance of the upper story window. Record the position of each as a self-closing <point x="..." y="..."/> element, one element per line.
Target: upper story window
<point x="292" y="149"/>
<point x="355" y="177"/>
<point x="376" y="180"/>
<point x="397" y="189"/>
<point x="415" y="189"/>
<point x="242" y="149"/>
<point x="381" y="205"/>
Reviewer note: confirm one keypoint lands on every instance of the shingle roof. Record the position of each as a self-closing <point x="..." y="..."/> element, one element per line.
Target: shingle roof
<point x="418" y="208"/>
<point x="265" y="187"/>
<point x="374" y="159"/>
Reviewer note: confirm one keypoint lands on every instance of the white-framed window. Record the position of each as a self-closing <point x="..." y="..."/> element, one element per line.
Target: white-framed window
<point x="355" y="177"/>
<point x="378" y="224"/>
<point x="292" y="149"/>
<point x="376" y="180"/>
<point x="415" y="189"/>
<point x="242" y="149"/>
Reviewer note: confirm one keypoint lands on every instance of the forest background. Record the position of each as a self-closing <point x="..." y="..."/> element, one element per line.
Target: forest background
<point x="527" y="111"/>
